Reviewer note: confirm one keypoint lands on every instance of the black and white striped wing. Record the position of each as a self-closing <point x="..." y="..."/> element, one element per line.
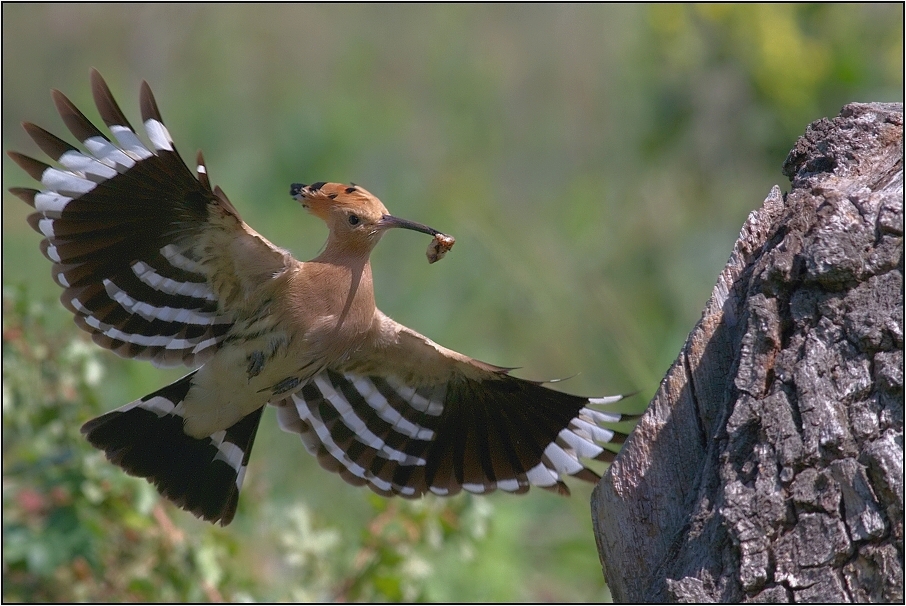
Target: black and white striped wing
<point x="120" y="222"/>
<point x="502" y="433"/>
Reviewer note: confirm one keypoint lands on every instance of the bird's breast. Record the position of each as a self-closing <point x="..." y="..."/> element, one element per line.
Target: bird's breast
<point x="332" y="306"/>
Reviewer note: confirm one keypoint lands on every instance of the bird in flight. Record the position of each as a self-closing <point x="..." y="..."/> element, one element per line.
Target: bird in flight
<point x="157" y="265"/>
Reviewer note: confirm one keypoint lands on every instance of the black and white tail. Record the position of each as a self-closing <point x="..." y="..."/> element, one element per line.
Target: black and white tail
<point x="146" y="438"/>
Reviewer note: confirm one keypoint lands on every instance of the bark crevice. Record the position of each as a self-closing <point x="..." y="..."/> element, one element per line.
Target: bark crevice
<point x="769" y="465"/>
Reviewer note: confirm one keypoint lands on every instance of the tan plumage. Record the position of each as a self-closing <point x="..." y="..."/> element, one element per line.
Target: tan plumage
<point x="156" y="264"/>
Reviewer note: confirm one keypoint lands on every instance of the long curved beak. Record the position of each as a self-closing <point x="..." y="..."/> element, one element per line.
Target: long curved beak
<point x="389" y="222"/>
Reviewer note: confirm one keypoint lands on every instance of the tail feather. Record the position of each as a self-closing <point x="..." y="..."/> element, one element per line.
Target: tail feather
<point x="146" y="438"/>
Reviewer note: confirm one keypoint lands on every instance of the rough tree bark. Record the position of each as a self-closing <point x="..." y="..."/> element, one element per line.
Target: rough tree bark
<point x="769" y="465"/>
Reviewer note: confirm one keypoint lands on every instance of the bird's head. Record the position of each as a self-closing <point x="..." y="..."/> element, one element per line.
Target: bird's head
<point x="356" y="218"/>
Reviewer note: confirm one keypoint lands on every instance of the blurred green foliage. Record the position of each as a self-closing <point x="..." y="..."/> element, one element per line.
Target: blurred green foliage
<point x="595" y="163"/>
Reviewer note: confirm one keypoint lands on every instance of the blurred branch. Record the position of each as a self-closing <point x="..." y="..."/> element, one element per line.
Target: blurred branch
<point x="769" y="464"/>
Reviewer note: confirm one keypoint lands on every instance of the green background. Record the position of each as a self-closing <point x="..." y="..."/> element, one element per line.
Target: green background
<point x="594" y="162"/>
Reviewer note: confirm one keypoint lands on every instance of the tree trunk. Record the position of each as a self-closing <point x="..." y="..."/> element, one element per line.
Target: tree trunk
<point x="769" y="465"/>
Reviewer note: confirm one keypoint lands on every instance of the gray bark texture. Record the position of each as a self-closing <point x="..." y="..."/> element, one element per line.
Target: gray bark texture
<point x="769" y="465"/>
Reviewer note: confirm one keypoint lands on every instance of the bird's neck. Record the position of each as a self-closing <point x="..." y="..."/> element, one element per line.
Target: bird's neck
<point x="344" y="280"/>
<point x="345" y="252"/>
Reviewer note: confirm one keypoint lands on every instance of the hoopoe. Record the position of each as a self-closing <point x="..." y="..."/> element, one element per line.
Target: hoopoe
<point x="157" y="265"/>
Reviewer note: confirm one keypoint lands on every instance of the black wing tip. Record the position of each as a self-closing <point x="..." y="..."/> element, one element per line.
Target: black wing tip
<point x="34" y="168"/>
<point x="107" y="106"/>
<point x="96" y="76"/>
<point x="148" y="104"/>
<point x="88" y="427"/>
<point x="49" y="143"/>
<point x="80" y="126"/>
<point x="27" y="195"/>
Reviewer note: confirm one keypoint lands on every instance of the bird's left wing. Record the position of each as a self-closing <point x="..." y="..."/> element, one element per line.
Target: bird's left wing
<point x="406" y="416"/>
<point x="153" y="262"/>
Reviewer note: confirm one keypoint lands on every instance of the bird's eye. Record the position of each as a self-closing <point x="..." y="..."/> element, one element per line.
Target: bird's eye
<point x="353" y="219"/>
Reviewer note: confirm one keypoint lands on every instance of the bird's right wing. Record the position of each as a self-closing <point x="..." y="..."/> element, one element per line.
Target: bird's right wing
<point x="154" y="263"/>
<point x="407" y="416"/>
